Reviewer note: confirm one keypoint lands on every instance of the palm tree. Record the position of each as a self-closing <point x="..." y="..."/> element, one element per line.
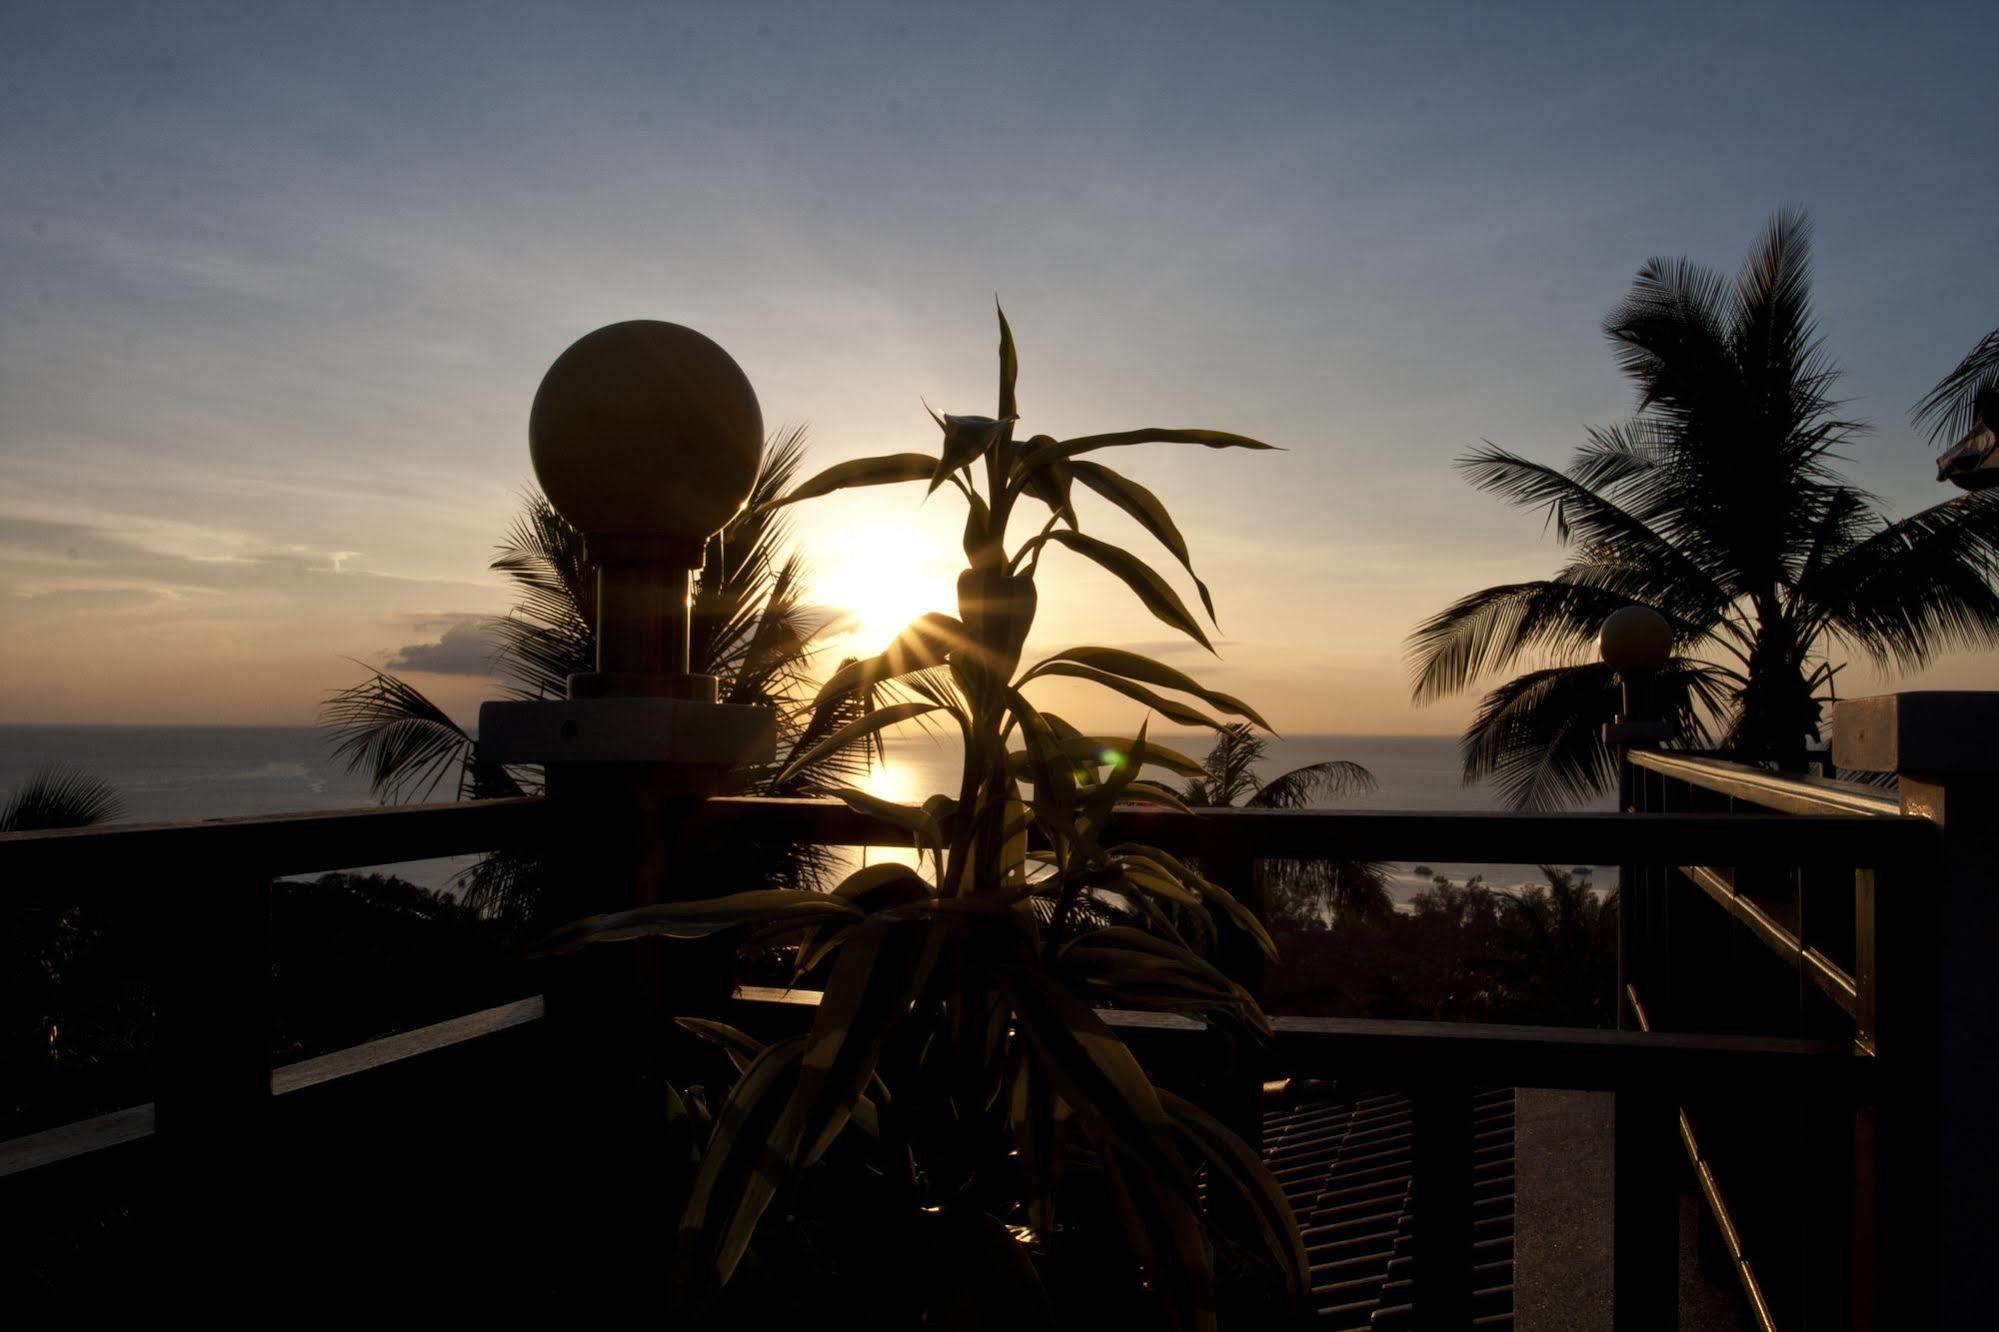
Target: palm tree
<point x="1719" y="506"/>
<point x="750" y="628"/>
<point x="1304" y="890"/>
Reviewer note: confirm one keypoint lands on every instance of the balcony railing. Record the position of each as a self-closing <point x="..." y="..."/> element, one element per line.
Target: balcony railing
<point x="1730" y="876"/>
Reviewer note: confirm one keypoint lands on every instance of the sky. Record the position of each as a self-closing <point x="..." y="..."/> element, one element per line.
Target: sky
<point x="277" y="284"/>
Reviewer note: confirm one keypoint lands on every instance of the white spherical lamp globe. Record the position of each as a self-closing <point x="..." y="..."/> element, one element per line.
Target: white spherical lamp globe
<point x="646" y="429"/>
<point x="1635" y="640"/>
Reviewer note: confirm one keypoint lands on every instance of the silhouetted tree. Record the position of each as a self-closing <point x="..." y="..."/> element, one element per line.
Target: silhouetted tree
<point x="1719" y="505"/>
<point x="750" y="628"/>
<point x="1301" y="890"/>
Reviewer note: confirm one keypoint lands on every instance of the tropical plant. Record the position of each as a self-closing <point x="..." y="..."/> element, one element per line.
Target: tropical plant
<point x="70" y="1003"/>
<point x="1719" y="506"/>
<point x="957" y="1056"/>
<point x="60" y="798"/>
<point x="1300" y="890"/>
<point x="750" y="627"/>
<point x="1951" y="408"/>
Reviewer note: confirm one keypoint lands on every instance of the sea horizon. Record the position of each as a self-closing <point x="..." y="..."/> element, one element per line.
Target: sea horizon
<point x="166" y="772"/>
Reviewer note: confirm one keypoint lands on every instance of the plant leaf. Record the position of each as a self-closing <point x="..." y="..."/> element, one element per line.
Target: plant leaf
<point x="1062" y="450"/>
<point x="880" y="719"/>
<point x="1171" y="709"/>
<point x="918" y="821"/>
<point x="739" y="1174"/>
<point x="1233" y="1162"/>
<point x="883" y="470"/>
<point x="767" y="909"/>
<point x="874" y="981"/>
<point x="1155" y="592"/>
<point x="1145" y="670"/>
<point x="928" y="641"/>
<point x="1009" y="368"/>
<point x="1146" y="510"/>
<point x="741" y="1047"/>
<point x="1089" y="1066"/>
<point x="1164" y="1231"/>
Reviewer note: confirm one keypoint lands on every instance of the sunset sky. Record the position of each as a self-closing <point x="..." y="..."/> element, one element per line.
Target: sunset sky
<point x="277" y="284"/>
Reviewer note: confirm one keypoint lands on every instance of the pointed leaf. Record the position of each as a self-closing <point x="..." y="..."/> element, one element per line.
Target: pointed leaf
<point x="1063" y="450"/>
<point x="741" y="1047"/>
<point x="1089" y="1065"/>
<point x="767" y="909"/>
<point x="1146" y="510"/>
<point x="1145" y="670"/>
<point x="1009" y="368"/>
<point x="1236" y="1165"/>
<point x="879" y="471"/>
<point x="1165" y="707"/>
<point x="739" y="1174"/>
<point x="868" y="995"/>
<point x="1155" y="592"/>
<point x="928" y="641"/>
<point x="919" y="822"/>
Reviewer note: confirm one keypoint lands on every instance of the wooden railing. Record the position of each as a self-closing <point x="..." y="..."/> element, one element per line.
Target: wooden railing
<point x="220" y="1104"/>
<point x="1809" y="943"/>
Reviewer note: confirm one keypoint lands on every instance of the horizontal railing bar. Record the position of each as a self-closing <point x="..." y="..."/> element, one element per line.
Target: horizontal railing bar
<point x="1832" y="980"/>
<point x="54" y="864"/>
<point x="1582" y="1058"/>
<point x="281" y="843"/>
<point x="1605" y="838"/>
<point x="67" y="1143"/>
<point x="1790" y="794"/>
<point x="371" y="1055"/>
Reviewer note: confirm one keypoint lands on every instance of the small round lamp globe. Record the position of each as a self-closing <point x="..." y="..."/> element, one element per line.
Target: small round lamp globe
<point x="1635" y="640"/>
<point x="646" y="429"/>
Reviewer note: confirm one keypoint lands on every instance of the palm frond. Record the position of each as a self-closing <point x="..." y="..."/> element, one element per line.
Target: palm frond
<point x="1539" y="736"/>
<point x="407" y="745"/>
<point x="60" y="797"/>
<point x="1950" y="410"/>
<point x="1916" y="586"/>
<point x="1301" y="788"/>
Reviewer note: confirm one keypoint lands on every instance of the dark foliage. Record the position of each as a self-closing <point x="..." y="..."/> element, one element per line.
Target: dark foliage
<point x="1463" y="953"/>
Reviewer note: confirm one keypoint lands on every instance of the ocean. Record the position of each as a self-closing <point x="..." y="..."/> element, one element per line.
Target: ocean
<point x="175" y="773"/>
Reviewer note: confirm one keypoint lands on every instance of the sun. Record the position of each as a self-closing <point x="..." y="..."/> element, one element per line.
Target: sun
<point x="878" y="581"/>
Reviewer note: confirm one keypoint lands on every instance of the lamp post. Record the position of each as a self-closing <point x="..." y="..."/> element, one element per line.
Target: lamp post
<point x="647" y="437"/>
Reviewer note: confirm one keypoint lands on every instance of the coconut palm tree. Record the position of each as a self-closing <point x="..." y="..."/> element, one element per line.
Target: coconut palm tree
<point x="1720" y="506"/>
<point x="1305" y="890"/>
<point x="750" y="628"/>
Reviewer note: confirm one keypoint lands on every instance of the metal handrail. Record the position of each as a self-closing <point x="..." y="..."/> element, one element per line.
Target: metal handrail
<point x="1789" y="793"/>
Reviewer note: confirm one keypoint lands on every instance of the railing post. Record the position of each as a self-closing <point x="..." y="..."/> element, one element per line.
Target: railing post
<point x="1935" y="1005"/>
<point x="213" y="1093"/>
<point x="1441" y="1205"/>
